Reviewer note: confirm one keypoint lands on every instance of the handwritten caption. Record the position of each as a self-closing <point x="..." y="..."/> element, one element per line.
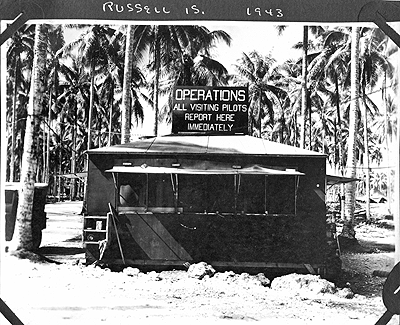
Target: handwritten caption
<point x="138" y="8"/>
<point x="193" y="10"/>
<point x="258" y="11"/>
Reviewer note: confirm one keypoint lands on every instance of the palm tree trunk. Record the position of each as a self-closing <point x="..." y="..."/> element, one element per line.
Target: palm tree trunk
<point x="73" y="171"/>
<point x="348" y="226"/>
<point x="13" y="124"/>
<point x="339" y="124"/>
<point x="250" y="122"/>
<point x="304" y="88"/>
<point x="73" y="160"/>
<point x="388" y="171"/>
<point x="309" y="129"/>
<point x="366" y="162"/>
<point x="91" y="104"/>
<point x="60" y="180"/>
<point x="157" y="65"/>
<point x="110" y="125"/>
<point x="340" y="160"/>
<point x="259" y="115"/>
<point x="49" y="123"/>
<point x="295" y="129"/>
<point x="44" y="151"/>
<point x="47" y="147"/>
<point x="60" y="157"/>
<point x="126" y="89"/>
<point x="323" y="132"/>
<point x="22" y="239"/>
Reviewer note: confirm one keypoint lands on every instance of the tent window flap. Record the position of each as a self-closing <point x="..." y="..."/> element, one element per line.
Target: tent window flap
<point x="249" y="190"/>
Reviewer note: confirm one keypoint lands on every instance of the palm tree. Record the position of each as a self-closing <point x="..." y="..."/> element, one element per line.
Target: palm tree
<point x="94" y="46"/>
<point x="259" y="73"/>
<point x="348" y="226"/>
<point x="191" y="63"/>
<point x="331" y="64"/>
<point x="23" y="239"/>
<point x="55" y="39"/>
<point x="304" y="100"/>
<point x="291" y="80"/>
<point x="133" y="81"/>
<point x="19" y="58"/>
<point x="335" y="56"/>
<point x="71" y="107"/>
<point x="374" y="64"/>
<point x="335" y="46"/>
<point x="20" y="114"/>
<point x="167" y="45"/>
<point x="126" y="98"/>
<point x="385" y="128"/>
<point x="108" y="109"/>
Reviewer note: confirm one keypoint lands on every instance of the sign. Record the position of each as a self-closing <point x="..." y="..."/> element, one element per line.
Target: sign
<point x="211" y="110"/>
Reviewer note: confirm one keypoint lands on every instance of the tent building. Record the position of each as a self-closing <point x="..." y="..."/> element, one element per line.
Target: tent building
<point x="233" y="201"/>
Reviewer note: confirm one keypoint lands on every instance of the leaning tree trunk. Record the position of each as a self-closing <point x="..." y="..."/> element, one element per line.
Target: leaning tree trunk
<point x="22" y="239"/>
<point x="348" y="232"/>
<point x="126" y="89"/>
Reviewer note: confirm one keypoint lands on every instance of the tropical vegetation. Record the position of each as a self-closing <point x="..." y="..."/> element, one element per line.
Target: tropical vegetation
<point x="96" y="89"/>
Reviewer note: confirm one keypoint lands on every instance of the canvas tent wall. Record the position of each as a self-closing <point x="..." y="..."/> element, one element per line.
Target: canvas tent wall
<point x="234" y="235"/>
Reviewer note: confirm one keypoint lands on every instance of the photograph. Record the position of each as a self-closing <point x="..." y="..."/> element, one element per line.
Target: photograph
<point x="199" y="162"/>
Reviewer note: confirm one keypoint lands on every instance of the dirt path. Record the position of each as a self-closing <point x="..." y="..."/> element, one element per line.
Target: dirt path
<point x="62" y="241"/>
<point x="68" y="294"/>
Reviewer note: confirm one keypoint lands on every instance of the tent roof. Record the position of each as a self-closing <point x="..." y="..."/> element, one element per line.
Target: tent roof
<point x="336" y="179"/>
<point x="333" y="177"/>
<point x="206" y="145"/>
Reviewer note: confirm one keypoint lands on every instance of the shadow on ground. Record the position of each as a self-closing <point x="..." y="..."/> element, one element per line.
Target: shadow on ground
<point x="58" y="250"/>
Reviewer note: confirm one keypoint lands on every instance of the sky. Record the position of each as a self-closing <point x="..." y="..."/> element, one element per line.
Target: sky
<point x="262" y="37"/>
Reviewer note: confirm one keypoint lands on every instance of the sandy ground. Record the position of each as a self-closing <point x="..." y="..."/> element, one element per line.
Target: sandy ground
<point x="71" y="293"/>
